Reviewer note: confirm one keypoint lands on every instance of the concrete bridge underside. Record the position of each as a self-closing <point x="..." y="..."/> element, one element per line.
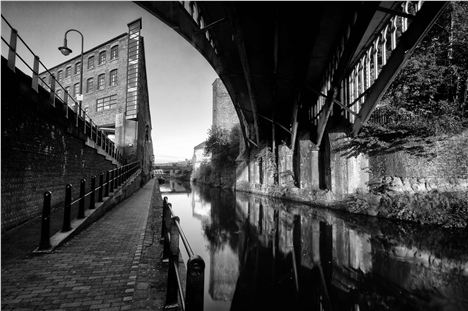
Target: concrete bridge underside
<point x="302" y="71"/>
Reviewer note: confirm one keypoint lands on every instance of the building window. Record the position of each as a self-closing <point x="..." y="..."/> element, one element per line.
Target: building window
<point x="91" y="62"/>
<point x="106" y="103"/>
<point x="59" y="75"/>
<point x="67" y="89"/>
<point x="77" y="68"/>
<point x="114" y="52"/>
<point x="113" y="78"/>
<point x="67" y="72"/>
<point x="89" y="85"/>
<point x="102" y="57"/>
<point x="100" y="83"/>
<point x="76" y="89"/>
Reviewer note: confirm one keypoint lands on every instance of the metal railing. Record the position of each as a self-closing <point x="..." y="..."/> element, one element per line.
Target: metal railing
<point x="171" y="232"/>
<point x="82" y="121"/>
<point x="114" y="179"/>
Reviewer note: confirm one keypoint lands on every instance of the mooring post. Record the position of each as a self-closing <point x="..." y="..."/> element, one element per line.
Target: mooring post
<point x="172" y="286"/>
<point x="106" y="189"/>
<point x="195" y="284"/>
<point x="81" y="207"/>
<point x="101" y="183"/>
<point x="67" y="209"/>
<point x="92" y="196"/>
<point x="45" y="222"/>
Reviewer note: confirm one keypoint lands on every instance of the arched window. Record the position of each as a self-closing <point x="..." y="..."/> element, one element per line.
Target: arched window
<point x="100" y="82"/>
<point x="59" y="75"/>
<point x="102" y="57"/>
<point x="91" y="62"/>
<point x="77" y="68"/>
<point x="89" y="85"/>
<point x="67" y="72"/>
<point x="114" y="52"/>
<point x="113" y="78"/>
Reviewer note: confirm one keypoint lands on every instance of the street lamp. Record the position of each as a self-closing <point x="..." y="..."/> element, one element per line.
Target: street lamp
<point x="66" y="51"/>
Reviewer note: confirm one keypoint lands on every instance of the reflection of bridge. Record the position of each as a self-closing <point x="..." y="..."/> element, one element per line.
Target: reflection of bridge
<point x="299" y="72"/>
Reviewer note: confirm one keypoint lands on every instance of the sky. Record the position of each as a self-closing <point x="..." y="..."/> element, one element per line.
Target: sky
<point x="179" y="77"/>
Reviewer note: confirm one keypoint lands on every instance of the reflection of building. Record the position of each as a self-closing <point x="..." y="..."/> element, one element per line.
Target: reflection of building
<point x="224" y="271"/>
<point x="115" y="91"/>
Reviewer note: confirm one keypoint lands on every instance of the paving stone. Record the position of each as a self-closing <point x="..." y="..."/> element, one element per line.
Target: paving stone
<point x="100" y="268"/>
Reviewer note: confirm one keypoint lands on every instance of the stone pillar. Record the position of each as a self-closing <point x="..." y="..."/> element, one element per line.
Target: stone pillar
<point x="348" y="174"/>
<point x="308" y="165"/>
<point x="285" y="166"/>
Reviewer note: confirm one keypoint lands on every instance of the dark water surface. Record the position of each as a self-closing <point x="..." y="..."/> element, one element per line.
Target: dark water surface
<point x="266" y="254"/>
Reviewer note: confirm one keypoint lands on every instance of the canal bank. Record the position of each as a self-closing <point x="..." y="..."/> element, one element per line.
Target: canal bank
<point x="264" y="253"/>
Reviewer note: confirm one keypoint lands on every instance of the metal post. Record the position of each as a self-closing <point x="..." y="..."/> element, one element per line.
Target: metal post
<point x="106" y="189"/>
<point x="12" y="49"/>
<point x="81" y="207"/>
<point x="101" y="183"/>
<point x="195" y="284"/>
<point x="35" y="75"/>
<point x="115" y="178"/>
<point x="52" y="90"/>
<point x="172" y="291"/>
<point x="111" y="182"/>
<point x="67" y="209"/>
<point x="92" y="196"/>
<point x="45" y="226"/>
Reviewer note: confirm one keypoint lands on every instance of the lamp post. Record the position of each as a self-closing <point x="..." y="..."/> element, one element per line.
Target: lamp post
<point x="66" y="51"/>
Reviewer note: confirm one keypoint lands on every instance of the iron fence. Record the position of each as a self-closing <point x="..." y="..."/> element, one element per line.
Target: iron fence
<point x="83" y="122"/>
<point x="171" y="233"/>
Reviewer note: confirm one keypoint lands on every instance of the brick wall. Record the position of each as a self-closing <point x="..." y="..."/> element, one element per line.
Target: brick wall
<point x="41" y="150"/>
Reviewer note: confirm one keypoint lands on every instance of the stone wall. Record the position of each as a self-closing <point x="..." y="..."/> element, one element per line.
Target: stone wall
<point x="41" y="150"/>
<point x="445" y="170"/>
<point x="224" y="113"/>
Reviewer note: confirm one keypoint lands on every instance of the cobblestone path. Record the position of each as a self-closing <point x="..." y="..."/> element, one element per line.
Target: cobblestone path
<point x="96" y="270"/>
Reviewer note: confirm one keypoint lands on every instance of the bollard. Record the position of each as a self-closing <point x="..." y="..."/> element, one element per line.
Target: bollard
<point x="111" y="184"/>
<point x="67" y="209"/>
<point x="195" y="284"/>
<point x="101" y="183"/>
<point x="163" y="227"/>
<point x="172" y="286"/>
<point x="106" y="189"/>
<point x="81" y="207"/>
<point x="45" y="226"/>
<point x="92" y="195"/>
<point x="167" y="225"/>
<point x="174" y="243"/>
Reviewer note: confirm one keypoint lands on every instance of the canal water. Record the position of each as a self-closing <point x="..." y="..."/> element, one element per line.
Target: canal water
<point x="267" y="254"/>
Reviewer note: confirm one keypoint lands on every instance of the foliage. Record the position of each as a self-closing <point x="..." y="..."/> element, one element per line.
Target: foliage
<point x="223" y="146"/>
<point x="429" y="96"/>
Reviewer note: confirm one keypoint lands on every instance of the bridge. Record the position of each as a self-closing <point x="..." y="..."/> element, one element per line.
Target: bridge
<point x="302" y="75"/>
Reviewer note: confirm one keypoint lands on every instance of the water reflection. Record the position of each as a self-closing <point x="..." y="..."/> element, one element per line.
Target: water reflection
<point x="265" y="254"/>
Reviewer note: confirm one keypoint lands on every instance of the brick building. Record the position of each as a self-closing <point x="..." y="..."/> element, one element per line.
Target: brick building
<point x="115" y="92"/>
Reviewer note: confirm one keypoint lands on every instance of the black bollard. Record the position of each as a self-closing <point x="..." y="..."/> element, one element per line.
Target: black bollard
<point x="111" y="184"/>
<point x="106" y="189"/>
<point x="101" y="183"/>
<point x="172" y="285"/>
<point x="195" y="282"/>
<point x="45" y="226"/>
<point x="92" y="195"/>
<point x="67" y="209"/>
<point x="81" y="206"/>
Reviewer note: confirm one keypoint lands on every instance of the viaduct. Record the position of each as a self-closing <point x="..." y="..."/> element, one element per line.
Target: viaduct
<point x="302" y="76"/>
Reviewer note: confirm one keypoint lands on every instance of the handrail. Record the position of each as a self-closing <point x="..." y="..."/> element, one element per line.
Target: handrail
<point x="171" y="232"/>
<point x="80" y="114"/>
<point x="115" y="178"/>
